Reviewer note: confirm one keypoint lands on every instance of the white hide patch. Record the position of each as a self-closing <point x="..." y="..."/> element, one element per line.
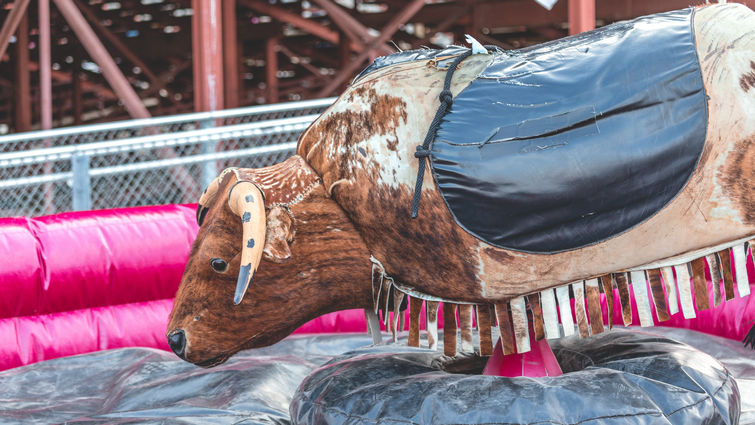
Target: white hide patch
<point x="734" y="57"/>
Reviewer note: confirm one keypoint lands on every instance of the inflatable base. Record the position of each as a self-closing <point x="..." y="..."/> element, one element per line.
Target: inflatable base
<point x="148" y="386"/>
<point x="618" y="377"/>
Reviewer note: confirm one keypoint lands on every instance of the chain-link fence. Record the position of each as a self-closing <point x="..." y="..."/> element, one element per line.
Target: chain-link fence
<point x="143" y="162"/>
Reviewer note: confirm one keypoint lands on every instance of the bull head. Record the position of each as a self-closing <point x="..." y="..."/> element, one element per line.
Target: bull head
<point x="264" y="263"/>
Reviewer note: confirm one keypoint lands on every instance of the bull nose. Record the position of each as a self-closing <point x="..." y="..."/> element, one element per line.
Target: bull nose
<point x="177" y="342"/>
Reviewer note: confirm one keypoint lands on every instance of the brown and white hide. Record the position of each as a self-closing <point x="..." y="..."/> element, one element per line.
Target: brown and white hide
<point x="363" y="148"/>
<point x="339" y="232"/>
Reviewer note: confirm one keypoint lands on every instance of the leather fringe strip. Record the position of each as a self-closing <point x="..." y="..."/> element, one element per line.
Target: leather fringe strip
<point x="660" y="291"/>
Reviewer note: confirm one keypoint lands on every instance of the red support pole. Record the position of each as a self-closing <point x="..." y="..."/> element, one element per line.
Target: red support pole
<point x="11" y="24"/>
<point x="230" y="55"/>
<point x="271" y="69"/>
<point x="45" y="93"/>
<point x="344" y="55"/>
<point x="581" y="16"/>
<point x="78" y="110"/>
<point x="207" y="37"/>
<point x="538" y="362"/>
<point x="196" y="57"/>
<point x="23" y="83"/>
<point x="45" y="65"/>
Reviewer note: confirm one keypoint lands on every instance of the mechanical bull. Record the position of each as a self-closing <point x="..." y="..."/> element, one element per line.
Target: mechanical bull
<point x="606" y="160"/>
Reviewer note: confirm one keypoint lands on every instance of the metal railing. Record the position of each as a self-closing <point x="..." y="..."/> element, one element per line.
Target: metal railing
<point x="143" y="162"/>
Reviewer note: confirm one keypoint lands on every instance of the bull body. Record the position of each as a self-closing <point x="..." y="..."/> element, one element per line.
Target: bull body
<point x="346" y="196"/>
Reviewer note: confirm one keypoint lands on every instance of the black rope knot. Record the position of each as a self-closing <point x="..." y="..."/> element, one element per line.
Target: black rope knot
<point x="422" y="152"/>
<point x="447" y="98"/>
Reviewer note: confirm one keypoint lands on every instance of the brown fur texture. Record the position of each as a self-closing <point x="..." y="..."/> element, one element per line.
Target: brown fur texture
<point x="449" y="329"/>
<point x="538" y="325"/>
<point x="579" y="309"/>
<point x="504" y="325"/>
<point x="699" y="284"/>
<point x="280" y="232"/>
<point x="739" y="178"/>
<point x="316" y="280"/>
<point x="349" y="193"/>
<point x="724" y="258"/>
<point x="626" y="307"/>
<point x="656" y="290"/>
<point x="593" y="309"/>
<point x="484" y="324"/>
<point x="370" y="205"/>
<point x="415" y="307"/>
<point x="363" y="148"/>
<point x="747" y="80"/>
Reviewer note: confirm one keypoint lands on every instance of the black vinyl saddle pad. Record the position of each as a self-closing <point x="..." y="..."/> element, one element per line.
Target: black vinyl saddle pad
<point x="568" y="143"/>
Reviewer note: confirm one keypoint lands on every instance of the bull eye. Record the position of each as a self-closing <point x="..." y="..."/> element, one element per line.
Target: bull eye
<point x="218" y="265"/>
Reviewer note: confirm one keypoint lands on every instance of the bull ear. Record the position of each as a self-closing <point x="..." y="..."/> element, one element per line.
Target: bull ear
<point x="246" y="200"/>
<point x="209" y="194"/>
<point x="280" y="231"/>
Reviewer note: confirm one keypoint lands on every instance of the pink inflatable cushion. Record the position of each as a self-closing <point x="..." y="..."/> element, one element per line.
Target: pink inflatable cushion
<point x="85" y="281"/>
<point x="31" y="339"/>
<point x="93" y="258"/>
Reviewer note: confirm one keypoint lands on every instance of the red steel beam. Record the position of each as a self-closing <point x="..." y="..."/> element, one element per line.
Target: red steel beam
<point x="309" y="67"/>
<point x="115" y="41"/>
<point x="350" y="25"/>
<point x="100" y="55"/>
<point x="196" y="52"/>
<point x="271" y="69"/>
<point x="120" y="46"/>
<point x="344" y="52"/>
<point x="306" y="25"/>
<point x="78" y="109"/>
<point x="45" y="93"/>
<point x="45" y="66"/>
<point x="65" y="78"/>
<point x="208" y="55"/>
<point x="166" y="77"/>
<point x="283" y="15"/>
<point x="230" y="55"/>
<point x="399" y="19"/>
<point x="23" y="82"/>
<point x="11" y="23"/>
<point x="581" y="16"/>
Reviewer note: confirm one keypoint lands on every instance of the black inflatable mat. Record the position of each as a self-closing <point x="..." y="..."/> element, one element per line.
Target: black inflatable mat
<point x="618" y="377"/>
<point x="145" y="386"/>
<point x="148" y="386"/>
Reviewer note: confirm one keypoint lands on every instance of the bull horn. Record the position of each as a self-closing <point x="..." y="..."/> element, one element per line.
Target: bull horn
<point x="247" y="201"/>
<point x="209" y="194"/>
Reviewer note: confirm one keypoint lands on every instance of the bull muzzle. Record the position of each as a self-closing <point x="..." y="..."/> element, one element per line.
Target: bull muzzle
<point x="177" y="342"/>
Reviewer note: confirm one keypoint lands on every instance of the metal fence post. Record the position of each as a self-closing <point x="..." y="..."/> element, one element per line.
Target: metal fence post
<point x="209" y="167"/>
<point x="82" y="187"/>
